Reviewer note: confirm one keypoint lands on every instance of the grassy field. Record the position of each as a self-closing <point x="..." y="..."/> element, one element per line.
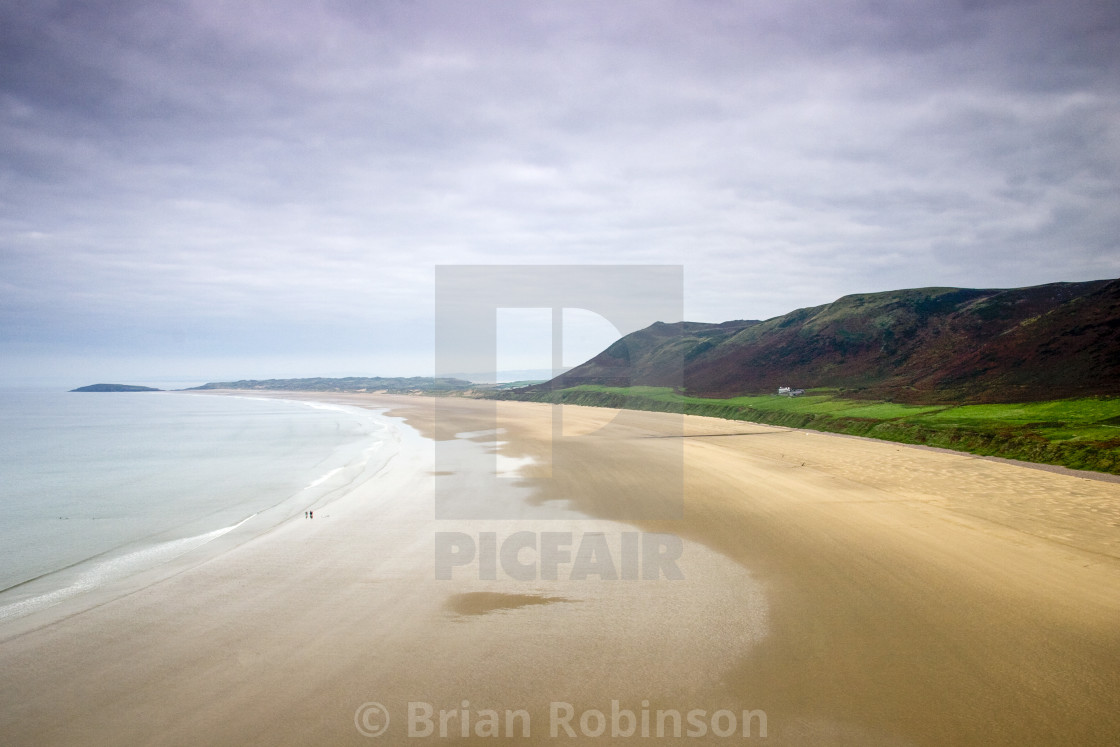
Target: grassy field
<point x="1077" y="433"/>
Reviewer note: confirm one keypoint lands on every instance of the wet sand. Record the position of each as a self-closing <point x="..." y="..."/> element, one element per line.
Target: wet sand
<point x="858" y="592"/>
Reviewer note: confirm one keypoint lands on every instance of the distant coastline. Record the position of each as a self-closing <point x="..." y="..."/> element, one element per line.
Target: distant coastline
<point x="116" y="388"/>
<point x="353" y="384"/>
<point x="369" y="384"/>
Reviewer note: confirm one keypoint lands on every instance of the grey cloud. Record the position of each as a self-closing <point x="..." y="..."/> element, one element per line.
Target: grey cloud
<point x="270" y="164"/>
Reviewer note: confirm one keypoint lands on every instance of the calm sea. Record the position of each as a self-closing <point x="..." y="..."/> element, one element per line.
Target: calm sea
<point x="95" y="486"/>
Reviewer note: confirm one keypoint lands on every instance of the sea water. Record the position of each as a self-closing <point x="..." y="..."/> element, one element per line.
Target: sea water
<point x="95" y="486"/>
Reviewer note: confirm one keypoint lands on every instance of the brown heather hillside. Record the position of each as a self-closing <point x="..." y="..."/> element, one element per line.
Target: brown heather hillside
<point x="922" y="345"/>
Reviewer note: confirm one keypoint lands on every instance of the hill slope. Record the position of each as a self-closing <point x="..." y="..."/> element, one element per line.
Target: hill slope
<point x="921" y="345"/>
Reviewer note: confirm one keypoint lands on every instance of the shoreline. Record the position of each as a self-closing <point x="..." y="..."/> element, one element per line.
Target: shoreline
<point x="854" y="591"/>
<point x="1044" y="466"/>
<point x="1080" y="443"/>
<point x="90" y="581"/>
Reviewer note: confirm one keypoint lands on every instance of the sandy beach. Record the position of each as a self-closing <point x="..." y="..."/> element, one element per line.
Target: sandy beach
<point x="856" y="592"/>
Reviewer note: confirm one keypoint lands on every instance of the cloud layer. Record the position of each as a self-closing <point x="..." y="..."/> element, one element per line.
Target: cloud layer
<point x="275" y="181"/>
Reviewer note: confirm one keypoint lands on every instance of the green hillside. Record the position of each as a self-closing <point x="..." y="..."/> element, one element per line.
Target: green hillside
<point x="1079" y="433"/>
<point x="920" y="346"/>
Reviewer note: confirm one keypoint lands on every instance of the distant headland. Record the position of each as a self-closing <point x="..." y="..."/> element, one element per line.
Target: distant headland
<point x="390" y="385"/>
<point x="115" y="388"/>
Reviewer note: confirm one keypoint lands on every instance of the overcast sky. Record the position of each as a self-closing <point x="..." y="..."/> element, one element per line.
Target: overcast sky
<point x="252" y="189"/>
